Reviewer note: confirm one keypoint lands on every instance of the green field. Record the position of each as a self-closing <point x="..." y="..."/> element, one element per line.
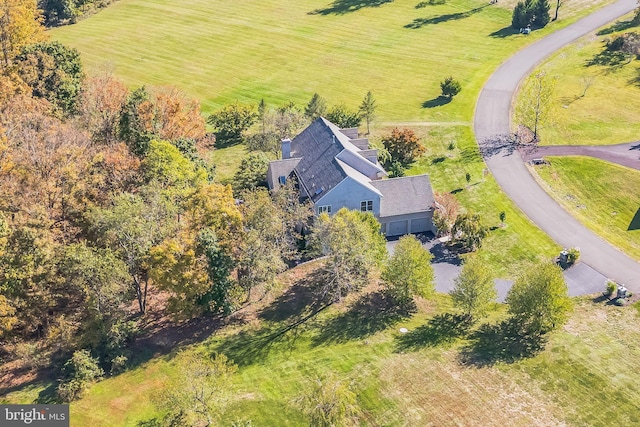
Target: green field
<point x="603" y="196"/>
<point x="596" y="98"/>
<point x="585" y="376"/>
<point x="221" y="51"/>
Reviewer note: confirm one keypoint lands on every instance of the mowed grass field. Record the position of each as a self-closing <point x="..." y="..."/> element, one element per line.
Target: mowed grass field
<point x="587" y="375"/>
<point x="596" y="97"/>
<point x="603" y="196"/>
<point x="221" y="51"/>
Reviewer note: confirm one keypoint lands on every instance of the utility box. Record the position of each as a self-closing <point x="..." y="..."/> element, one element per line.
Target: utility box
<point x="564" y="257"/>
<point x="622" y="292"/>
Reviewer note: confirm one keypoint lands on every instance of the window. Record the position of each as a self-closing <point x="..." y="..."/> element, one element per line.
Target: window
<point x="366" y="205"/>
<point x="326" y="208"/>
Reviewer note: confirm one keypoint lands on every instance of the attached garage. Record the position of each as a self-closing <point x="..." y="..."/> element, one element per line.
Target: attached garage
<point x="421" y="225"/>
<point x="397" y="228"/>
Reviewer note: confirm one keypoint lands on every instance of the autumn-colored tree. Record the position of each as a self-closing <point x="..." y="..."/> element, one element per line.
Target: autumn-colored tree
<point x="403" y="145"/>
<point x="446" y="211"/>
<point x="20" y="25"/>
<point x="468" y="231"/>
<point x="102" y="101"/>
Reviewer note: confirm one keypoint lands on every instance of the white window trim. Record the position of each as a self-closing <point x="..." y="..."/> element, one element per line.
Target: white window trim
<point x="324" y="208"/>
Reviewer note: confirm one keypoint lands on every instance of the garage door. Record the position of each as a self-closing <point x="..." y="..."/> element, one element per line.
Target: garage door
<point x="397" y="228"/>
<point x="420" y="225"/>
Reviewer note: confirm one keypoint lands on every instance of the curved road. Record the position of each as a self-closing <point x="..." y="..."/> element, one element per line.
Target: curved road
<point x="492" y="126"/>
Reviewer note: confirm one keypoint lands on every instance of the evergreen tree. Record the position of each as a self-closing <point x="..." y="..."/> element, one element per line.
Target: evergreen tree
<point x="316" y="107"/>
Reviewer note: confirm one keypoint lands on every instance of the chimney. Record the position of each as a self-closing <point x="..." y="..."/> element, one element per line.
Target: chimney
<point x="286" y="148"/>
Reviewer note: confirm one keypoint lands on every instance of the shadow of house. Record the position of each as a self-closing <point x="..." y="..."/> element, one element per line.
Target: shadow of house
<point x="635" y="222"/>
<point x="341" y="7"/>
<point x="436" y="102"/>
<point x="421" y="22"/>
<point x="370" y="314"/>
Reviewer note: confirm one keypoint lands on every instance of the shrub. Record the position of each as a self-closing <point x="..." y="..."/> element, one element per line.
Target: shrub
<point x="118" y="364"/>
<point x="619" y="302"/>
<point x="450" y="87"/>
<point x="78" y="372"/>
<point x="612" y="287"/>
<point x="574" y="256"/>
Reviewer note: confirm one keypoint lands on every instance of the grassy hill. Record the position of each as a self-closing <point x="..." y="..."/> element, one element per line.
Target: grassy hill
<point x="221" y="51"/>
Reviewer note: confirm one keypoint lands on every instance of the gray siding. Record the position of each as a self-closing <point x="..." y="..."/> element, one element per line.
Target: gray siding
<point x="348" y="194"/>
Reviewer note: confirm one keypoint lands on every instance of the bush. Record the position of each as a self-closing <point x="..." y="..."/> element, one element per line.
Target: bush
<point x="612" y="287"/>
<point x="531" y="12"/>
<point x="118" y="364"/>
<point x="574" y="256"/>
<point x="619" y="302"/>
<point x="78" y="372"/>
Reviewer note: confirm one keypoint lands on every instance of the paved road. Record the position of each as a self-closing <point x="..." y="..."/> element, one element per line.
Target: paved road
<point x="623" y="154"/>
<point x="492" y="122"/>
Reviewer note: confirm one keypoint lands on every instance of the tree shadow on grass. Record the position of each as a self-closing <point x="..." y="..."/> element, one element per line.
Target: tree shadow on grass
<point x="440" y="330"/>
<point x="613" y="59"/>
<point x="421" y="22"/>
<point x="302" y="298"/>
<point x="504" y="32"/>
<point x="505" y="342"/>
<point x="436" y="102"/>
<point x="617" y="26"/>
<point x="636" y="79"/>
<point x="430" y="3"/>
<point x="371" y="313"/>
<point x="635" y="222"/>
<point x="341" y="7"/>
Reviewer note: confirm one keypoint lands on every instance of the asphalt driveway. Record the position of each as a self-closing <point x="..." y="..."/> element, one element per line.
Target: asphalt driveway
<point x="492" y="127"/>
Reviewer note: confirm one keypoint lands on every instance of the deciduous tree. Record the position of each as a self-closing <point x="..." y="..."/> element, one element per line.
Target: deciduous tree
<point x="468" y="231"/>
<point x="408" y="272"/>
<point x="342" y="117"/>
<point x="231" y="122"/>
<point x="539" y="298"/>
<point x="252" y="172"/>
<point x="20" y="25"/>
<point x="352" y="242"/>
<point x="535" y="104"/>
<point x="474" y="291"/>
<point x="403" y="145"/>
<point x="330" y="401"/>
<point x="102" y="100"/>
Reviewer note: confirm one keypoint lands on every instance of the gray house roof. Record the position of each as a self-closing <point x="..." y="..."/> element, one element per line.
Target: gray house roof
<point x="278" y="168"/>
<point x="319" y="147"/>
<point x="405" y="195"/>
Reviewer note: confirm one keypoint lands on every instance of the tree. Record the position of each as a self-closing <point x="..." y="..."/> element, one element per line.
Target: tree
<point x="558" y="4"/>
<point x="503" y="216"/>
<point x="102" y="100"/>
<point x="541" y="13"/>
<point x="352" y="242"/>
<point x="343" y="118"/>
<point x="474" y="291"/>
<point x="468" y="231"/>
<point x="316" y="107"/>
<point x="268" y="142"/>
<point x="523" y="14"/>
<point x="539" y="298"/>
<point x="330" y="402"/>
<point x="231" y="121"/>
<point x="535" y="104"/>
<point x="287" y="120"/>
<point x="200" y="392"/>
<point x="408" y="272"/>
<point x="367" y="109"/>
<point x="20" y="25"/>
<point x="53" y="72"/>
<point x="446" y="212"/>
<point x="403" y="145"/>
<point x="79" y="372"/>
<point x="166" y="165"/>
<point x="450" y="87"/>
<point x="252" y="172"/>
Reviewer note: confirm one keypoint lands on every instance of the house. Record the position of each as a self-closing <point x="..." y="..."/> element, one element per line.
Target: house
<point x="335" y="169"/>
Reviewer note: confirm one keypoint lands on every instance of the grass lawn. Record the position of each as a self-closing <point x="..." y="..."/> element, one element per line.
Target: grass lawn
<point x="601" y="195"/>
<point x="221" y="51"/>
<point x="596" y="100"/>
<point x="585" y="376"/>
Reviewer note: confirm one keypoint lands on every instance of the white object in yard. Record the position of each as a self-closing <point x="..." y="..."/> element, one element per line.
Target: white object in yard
<point x="403" y="330"/>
